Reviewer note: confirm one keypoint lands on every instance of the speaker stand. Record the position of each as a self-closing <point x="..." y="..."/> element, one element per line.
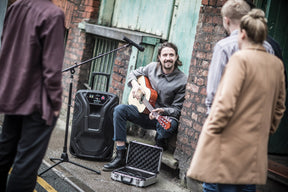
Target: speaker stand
<point x="64" y="157"/>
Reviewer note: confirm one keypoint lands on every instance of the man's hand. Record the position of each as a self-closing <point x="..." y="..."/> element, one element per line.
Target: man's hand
<point x="137" y="91"/>
<point x="56" y="113"/>
<point x="154" y="113"/>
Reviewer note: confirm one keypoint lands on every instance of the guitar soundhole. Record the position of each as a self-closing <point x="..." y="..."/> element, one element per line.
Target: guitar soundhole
<point x="141" y="99"/>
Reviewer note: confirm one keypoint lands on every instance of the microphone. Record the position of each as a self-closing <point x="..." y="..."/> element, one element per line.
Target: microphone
<point x="139" y="47"/>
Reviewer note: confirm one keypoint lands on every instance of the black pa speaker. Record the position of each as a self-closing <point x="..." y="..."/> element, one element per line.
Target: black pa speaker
<point x="92" y="125"/>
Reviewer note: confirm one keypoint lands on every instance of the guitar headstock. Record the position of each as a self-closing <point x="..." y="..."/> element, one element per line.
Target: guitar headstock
<point x="164" y="121"/>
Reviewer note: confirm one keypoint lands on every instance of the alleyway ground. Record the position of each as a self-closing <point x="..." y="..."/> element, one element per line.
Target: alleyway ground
<point x="89" y="181"/>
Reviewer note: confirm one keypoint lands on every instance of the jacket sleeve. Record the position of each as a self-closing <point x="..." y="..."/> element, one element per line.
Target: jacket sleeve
<point x="217" y="66"/>
<point x="280" y="105"/>
<point x="227" y="95"/>
<point x="52" y="38"/>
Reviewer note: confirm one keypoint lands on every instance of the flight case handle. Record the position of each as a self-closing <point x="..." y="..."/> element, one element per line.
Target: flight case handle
<point x="126" y="180"/>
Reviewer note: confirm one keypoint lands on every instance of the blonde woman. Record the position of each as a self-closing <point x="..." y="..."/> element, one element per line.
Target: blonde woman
<point x="248" y="106"/>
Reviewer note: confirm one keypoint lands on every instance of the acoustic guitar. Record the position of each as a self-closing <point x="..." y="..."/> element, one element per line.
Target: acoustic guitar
<point x="147" y="102"/>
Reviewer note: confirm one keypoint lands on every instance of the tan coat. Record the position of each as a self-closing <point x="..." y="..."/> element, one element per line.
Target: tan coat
<point x="248" y="106"/>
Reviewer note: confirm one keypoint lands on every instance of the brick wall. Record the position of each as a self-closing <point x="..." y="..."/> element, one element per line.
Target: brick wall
<point x="79" y="45"/>
<point x="120" y="71"/>
<point x="209" y="31"/>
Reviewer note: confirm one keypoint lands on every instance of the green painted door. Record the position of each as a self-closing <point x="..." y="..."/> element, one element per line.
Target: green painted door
<point x="183" y="29"/>
<point x="149" y="16"/>
<point x="277" y="15"/>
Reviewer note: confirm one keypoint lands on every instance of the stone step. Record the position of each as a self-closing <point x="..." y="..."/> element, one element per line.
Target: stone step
<point x="278" y="172"/>
<point x="167" y="157"/>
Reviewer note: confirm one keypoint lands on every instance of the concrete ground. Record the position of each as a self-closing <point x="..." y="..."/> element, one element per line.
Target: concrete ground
<point x="89" y="181"/>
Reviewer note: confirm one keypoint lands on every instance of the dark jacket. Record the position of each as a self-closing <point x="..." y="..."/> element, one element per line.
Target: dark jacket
<point x="31" y="58"/>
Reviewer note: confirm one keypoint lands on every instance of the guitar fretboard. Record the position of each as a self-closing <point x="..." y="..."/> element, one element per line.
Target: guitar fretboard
<point x="147" y="104"/>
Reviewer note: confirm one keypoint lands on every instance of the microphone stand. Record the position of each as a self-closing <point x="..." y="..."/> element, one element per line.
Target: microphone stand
<point x="64" y="156"/>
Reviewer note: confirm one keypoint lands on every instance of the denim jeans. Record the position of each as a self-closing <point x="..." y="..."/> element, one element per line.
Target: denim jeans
<point x="123" y="113"/>
<point x="211" y="187"/>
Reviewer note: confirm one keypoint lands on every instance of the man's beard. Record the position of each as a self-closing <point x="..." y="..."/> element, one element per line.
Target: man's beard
<point x="170" y="66"/>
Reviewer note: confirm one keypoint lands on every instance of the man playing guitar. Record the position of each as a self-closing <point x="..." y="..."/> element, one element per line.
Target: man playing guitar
<point x="169" y="83"/>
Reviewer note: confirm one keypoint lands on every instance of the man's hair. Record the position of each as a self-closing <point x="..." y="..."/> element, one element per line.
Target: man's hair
<point x="255" y="25"/>
<point x="235" y="9"/>
<point x="170" y="45"/>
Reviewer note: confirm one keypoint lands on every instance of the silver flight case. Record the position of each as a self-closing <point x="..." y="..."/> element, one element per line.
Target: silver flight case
<point x="143" y="163"/>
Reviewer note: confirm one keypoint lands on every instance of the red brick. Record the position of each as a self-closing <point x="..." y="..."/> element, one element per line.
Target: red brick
<point x="194" y="88"/>
<point x="201" y="109"/>
<point x="217" y="20"/>
<point x="220" y="3"/>
<point x="212" y="2"/>
<point x="117" y="77"/>
<point x="187" y="122"/>
<point x="201" y="55"/>
<point x="205" y="2"/>
<point x="89" y="9"/>
<point x="207" y="47"/>
<point x="187" y="104"/>
<point x="208" y="28"/>
<point x="188" y="151"/>
<point x="203" y="91"/>
<point x="197" y="45"/>
<point x="200" y="81"/>
<point x="194" y="116"/>
<point x="197" y="127"/>
<point x="208" y="19"/>
<point x="122" y="71"/>
<point x="205" y="65"/>
<point x="88" y="2"/>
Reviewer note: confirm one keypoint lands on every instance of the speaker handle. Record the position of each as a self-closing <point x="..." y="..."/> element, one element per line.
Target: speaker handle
<point x="107" y="75"/>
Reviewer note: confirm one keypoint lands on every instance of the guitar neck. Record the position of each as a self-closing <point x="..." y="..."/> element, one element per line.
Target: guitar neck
<point x="164" y="121"/>
<point x="147" y="104"/>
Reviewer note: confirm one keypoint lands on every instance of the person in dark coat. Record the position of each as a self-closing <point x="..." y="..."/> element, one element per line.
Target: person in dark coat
<point x="31" y="59"/>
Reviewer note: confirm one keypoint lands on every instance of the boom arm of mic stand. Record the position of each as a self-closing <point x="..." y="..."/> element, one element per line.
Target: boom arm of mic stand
<point x="97" y="57"/>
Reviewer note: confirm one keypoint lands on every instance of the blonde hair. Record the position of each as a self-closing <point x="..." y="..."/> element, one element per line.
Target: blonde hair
<point x="235" y="9"/>
<point x="255" y="25"/>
